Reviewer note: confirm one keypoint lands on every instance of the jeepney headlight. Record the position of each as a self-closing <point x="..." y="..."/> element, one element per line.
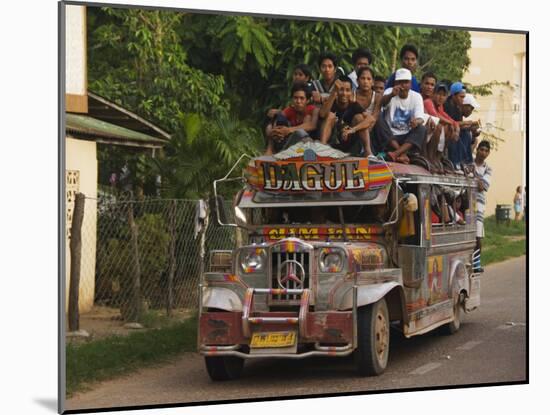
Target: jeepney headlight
<point x="253" y="260"/>
<point x="331" y="260"/>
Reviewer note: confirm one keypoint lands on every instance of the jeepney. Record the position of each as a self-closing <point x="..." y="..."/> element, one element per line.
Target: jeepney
<point x="339" y="250"/>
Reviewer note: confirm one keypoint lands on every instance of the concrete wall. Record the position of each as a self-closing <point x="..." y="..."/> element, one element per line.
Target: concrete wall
<point x="75" y="59"/>
<point x="81" y="173"/>
<point x="501" y="57"/>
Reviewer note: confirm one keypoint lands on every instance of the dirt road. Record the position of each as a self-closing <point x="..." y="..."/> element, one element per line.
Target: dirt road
<point x="489" y="348"/>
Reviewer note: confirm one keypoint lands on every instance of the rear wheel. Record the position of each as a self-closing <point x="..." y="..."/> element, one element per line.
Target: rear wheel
<point x="224" y="367"/>
<point x="373" y="339"/>
<point x="454" y="326"/>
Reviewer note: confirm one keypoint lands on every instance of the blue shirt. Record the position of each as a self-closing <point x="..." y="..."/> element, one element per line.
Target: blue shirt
<point x="415" y="86"/>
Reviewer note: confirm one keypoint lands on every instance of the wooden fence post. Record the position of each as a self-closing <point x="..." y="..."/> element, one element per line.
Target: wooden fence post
<point x="202" y="247"/>
<point x="172" y="259"/>
<point x="135" y="303"/>
<point x="75" y="246"/>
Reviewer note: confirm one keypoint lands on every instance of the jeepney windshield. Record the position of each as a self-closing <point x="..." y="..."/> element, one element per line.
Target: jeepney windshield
<point x="317" y="215"/>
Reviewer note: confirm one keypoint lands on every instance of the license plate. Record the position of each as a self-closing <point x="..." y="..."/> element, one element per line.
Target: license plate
<point x="273" y="339"/>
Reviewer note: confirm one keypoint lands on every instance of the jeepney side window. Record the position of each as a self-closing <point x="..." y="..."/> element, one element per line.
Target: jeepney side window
<point x="442" y="210"/>
<point x="449" y="205"/>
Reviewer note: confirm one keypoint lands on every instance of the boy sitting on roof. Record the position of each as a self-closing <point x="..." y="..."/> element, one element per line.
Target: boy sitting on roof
<point x="404" y="113"/>
<point x="448" y="129"/>
<point x="292" y="123"/>
<point x="409" y="59"/>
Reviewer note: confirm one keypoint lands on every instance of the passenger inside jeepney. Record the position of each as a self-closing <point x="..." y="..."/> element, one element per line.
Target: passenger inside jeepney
<point x="301" y="215"/>
<point x="454" y="202"/>
<point x="448" y="205"/>
<point x="366" y="213"/>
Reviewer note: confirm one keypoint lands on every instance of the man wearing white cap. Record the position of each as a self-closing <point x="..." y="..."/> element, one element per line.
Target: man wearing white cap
<point x="404" y="113"/>
<point x="468" y="106"/>
<point x="460" y="152"/>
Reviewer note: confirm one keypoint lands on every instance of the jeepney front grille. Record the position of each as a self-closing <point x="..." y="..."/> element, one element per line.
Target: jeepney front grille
<point x="285" y="266"/>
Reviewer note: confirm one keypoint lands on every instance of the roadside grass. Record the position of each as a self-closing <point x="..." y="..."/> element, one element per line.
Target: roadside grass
<point x="117" y="355"/>
<point x="502" y="241"/>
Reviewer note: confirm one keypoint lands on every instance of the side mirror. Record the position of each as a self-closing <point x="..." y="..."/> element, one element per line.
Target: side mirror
<point x="224" y="215"/>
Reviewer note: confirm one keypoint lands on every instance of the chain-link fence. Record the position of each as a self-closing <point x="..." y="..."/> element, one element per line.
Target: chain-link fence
<point x="143" y="257"/>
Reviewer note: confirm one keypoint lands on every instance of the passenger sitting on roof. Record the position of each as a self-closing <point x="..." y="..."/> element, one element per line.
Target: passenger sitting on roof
<point x="448" y="128"/>
<point x="460" y="151"/>
<point x="404" y="112"/>
<point x="468" y="106"/>
<point x="431" y="121"/>
<point x="409" y="58"/>
<point x="379" y="131"/>
<point x="361" y="58"/>
<point x="300" y="74"/>
<point x="328" y="65"/>
<point x="378" y="86"/>
<point x="293" y="123"/>
<point x="344" y="126"/>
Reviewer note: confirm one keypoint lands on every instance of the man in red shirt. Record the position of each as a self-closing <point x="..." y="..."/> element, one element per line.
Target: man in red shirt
<point x="292" y="123"/>
<point x="433" y="106"/>
<point x="427" y="85"/>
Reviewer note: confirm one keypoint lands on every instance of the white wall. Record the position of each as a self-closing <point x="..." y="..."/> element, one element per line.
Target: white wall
<point x="501" y="57"/>
<point x="81" y="161"/>
<point x="75" y="60"/>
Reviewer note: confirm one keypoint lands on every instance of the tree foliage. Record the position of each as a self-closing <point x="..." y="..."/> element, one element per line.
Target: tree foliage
<point x="208" y="79"/>
<point x="445" y="53"/>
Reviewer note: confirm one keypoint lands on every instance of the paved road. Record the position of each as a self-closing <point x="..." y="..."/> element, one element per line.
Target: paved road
<point x="490" y="347"/>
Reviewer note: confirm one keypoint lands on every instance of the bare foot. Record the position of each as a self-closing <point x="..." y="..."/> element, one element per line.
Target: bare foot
<point x="403" y="158"/>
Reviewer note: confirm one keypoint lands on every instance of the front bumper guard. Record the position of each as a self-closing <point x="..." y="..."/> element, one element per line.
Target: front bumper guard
<point x="232" y="350"/>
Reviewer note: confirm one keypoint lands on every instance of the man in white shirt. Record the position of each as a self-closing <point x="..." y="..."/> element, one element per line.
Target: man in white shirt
<point x="404" y="113"/>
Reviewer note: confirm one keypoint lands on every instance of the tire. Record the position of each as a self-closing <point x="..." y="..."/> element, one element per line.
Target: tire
<point x="373" y="339"/>
<point x="224" y="367"/>
<point x="454" y="326"/>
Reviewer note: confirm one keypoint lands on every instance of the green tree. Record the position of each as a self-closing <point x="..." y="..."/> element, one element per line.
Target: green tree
<point x="137" y="59"/>
<point x="445" y="53"/>
<point x="208" y="79"/>
<point x="202" y="152"/>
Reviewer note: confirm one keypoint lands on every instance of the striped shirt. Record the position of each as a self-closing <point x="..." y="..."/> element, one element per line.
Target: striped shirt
<point x="483" y="173"/>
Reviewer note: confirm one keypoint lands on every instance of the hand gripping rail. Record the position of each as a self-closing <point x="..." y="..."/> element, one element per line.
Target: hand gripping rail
<point x="300" y="320"/>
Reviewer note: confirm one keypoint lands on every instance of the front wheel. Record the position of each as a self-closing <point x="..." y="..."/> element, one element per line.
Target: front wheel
<point x="373" y="339"/>
<point x="224" y="367"/>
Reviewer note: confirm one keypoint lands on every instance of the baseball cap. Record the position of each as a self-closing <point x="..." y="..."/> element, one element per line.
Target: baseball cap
<point x="403" y="74"/>
<point x="456" y="88"/>
<point x="470" y="100"/>
<point x="441" y="85"/>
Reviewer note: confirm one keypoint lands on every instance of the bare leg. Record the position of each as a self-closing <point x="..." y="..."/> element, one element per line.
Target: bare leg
<point x="394" y="144"/>
<point x="269" y="149"/>
<point x="364" y="135"/>
<point x="431" y="147"/>
<point x="365" y="138"/>
<point x="327" y="127"/>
